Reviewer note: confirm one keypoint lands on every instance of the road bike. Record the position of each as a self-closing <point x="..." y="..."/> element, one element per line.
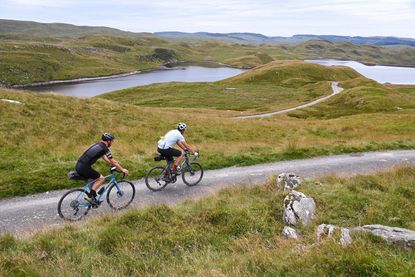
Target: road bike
<point x="119" y="194"/>
<point x="159" y="177"/>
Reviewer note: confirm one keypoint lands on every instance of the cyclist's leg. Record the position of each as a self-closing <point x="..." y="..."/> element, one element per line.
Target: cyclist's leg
<point x="176" y="153"/>
<point x="169" y="154"/>
<point x="88" y="172"/>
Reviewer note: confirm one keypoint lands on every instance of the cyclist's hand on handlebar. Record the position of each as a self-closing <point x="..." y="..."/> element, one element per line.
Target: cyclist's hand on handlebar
<point x="196" y="154"/>
<point x="124" y="170"/>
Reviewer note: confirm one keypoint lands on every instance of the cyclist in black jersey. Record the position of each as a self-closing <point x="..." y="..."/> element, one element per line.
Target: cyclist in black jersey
<point x="90" y="156"/>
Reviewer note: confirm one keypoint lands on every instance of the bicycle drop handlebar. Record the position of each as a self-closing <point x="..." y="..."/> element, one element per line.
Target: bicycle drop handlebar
<point x="114" y="169"/>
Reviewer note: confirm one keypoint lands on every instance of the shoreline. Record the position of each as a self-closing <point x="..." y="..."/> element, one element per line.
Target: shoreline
<point x="364" y="63"/>
<point x="167" y="66"/>
<point x="46" y="83"/>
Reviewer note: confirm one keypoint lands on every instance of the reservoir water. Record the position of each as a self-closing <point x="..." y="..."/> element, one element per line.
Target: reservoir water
<point x="85" y="89"/>
<point x="381" y="74"/>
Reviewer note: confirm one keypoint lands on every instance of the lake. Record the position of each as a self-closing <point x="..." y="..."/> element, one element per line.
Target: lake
<point x="86" y="89"/>
<point x="381" y="74"/>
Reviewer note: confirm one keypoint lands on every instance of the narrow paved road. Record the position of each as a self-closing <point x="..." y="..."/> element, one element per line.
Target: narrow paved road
<point x="22" y="215"/>
<point x="334" y="86"/>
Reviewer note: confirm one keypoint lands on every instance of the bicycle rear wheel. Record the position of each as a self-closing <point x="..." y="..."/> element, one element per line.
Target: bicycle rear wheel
<point x="72" y="206"/>
<point x="119" y="198"/>
<point x="192" y="174"/>
<point x="155" y="179"/>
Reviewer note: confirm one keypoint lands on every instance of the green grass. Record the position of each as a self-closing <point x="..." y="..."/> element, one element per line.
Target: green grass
<point x="362" y="96"/>
<point x="236" y="232"/>
<point x="271" y="87"/>
<point x="42" y="138"/>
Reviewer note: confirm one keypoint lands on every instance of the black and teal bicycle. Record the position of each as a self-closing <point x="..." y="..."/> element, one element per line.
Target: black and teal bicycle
<point x="159" y="177"/>
<point x="119" y="194"/>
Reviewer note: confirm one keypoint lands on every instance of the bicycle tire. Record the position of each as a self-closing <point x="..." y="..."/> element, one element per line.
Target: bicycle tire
<point x="154" y="179"/>
<point x="75" y="206"/>
<point x="128" y="190"/>
<point x="187" y="175"/>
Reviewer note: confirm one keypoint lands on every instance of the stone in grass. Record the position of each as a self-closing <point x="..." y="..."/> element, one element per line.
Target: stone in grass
<point x="395" y="235"/>
<point x="11" y="101"/>
<point x="289" y="233"/>
<point x="298" y="207"/>
<point x="289" y="181"/>
<point x="328" y="231"/>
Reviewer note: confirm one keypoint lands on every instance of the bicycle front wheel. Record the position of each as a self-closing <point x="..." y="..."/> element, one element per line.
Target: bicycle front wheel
<point x="120" y="197"/>
<point x="192" y="174"/>
<point x="155" y="179"/>
<point x="72" y="206"/>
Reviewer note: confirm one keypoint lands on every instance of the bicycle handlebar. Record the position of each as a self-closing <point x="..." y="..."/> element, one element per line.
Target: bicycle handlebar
<point x="187" y="153"/>
<point x="116" y="170"/>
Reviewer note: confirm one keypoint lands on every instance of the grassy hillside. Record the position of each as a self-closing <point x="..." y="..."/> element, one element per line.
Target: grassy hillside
<point x="274" y="86"/>
<point x="368" y="54"/>
<point x="43" y="137"/>
<point x="23" y="62"/>
<point x="362" y="96"/>
<point x="27" y="59"/>
<point x="234" y="233"/>
<point x="17" y="27"/>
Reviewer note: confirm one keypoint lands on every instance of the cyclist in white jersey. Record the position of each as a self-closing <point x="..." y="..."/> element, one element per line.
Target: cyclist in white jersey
<point x="166" y="143"/>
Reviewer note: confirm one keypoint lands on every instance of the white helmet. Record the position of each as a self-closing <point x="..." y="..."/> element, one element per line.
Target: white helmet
<point x="181" y="126"/>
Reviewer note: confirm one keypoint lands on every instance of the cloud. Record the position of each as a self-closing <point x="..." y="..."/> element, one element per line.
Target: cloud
<point x="271" y="17"/>
<point x="42" y="3"/>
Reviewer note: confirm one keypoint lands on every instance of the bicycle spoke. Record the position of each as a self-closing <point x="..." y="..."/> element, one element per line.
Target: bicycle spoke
<point x="157" y="178"/>
<point x="192" y="174"/>
<point x="120" y="197"/>
<point x="72" y="205"/>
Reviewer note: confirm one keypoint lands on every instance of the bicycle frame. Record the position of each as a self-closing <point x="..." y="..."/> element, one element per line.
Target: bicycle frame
<point x="186" y="161"/>
<point x="106" y="187"/>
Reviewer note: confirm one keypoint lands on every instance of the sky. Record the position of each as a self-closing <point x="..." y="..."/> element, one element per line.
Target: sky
<point x="271" y="18"/>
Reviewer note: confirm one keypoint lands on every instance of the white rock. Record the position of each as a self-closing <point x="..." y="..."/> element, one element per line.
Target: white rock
<point x="345" y="239"/>
<point x="289" y="216"/>
<point x="289" y="181"/>
<point x="11" y="101"/>
<point x="399" y="236"/>
<point x="321" y="229"/>
<point x="328" y="229"/>
<point x="298" y="207"/>
<point x="289" y="233"/>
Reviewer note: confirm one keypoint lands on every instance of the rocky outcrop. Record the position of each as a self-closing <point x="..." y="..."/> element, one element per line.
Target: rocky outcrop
<point x="289" y="181"/>
<point x="289" y="233"/>
<point x="395" y="235"/>
<point x="328" y="230"/>
<point x="298" y="207"/>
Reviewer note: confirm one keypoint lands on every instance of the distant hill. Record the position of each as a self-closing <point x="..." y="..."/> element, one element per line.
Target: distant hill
<point x="259" y="38"/>
<point x="16" y="27"/>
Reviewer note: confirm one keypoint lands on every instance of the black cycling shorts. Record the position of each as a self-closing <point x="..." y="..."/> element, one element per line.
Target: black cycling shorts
<point x="87" y="171"/>
<point x="169" y="153"/>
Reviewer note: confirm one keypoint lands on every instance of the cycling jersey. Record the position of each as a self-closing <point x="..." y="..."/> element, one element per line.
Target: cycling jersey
<point x="171" y="138"/>
<point x="94" y="152"/>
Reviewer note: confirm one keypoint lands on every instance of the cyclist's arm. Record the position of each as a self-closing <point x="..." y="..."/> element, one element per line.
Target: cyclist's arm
<point x="113" y="162"/>
<point x="185" y="146"/>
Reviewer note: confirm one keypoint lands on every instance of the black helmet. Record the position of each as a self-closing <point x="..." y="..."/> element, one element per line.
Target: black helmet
<point x="107" y="137"/>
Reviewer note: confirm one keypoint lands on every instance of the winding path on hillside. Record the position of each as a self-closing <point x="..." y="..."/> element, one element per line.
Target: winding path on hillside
<point x="334" y="86"/>
<point x="23" y="215"/>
